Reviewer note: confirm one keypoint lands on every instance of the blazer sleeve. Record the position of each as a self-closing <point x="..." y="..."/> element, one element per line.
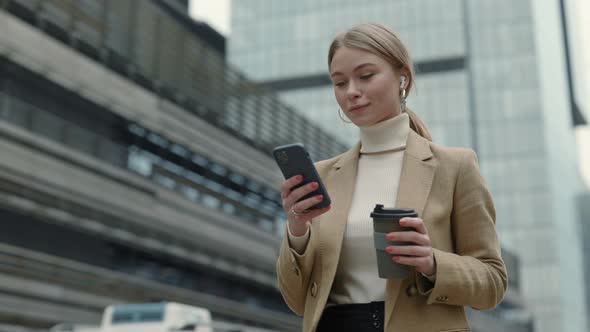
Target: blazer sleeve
<point x="294" y="272"/>
<point x="475" y="274"/>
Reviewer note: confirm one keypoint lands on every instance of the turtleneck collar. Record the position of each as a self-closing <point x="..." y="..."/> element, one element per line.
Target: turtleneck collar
<point x="387" y="135"/>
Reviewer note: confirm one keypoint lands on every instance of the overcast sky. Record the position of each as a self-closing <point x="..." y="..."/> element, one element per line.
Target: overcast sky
<point x="214" y="12"/>
<point x="217" y="14"/>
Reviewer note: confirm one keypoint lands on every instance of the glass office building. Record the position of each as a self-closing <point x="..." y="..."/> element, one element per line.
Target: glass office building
<point x="584" y="208"/>
<point x="492" y="75"/>
<point x="136" y="166"/>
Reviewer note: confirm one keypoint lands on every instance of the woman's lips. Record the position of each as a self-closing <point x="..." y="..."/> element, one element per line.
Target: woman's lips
<point x="357" y="107"/>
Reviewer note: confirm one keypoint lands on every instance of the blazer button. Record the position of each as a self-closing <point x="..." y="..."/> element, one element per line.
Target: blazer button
<point x="296" y="270"/>
<point x="442" y="298"/>
<point x="314" y="289"/>
<point x="411" y="290"/>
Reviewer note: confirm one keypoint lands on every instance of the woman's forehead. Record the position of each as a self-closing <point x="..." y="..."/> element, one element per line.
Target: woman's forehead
<point x="350" y="59"/>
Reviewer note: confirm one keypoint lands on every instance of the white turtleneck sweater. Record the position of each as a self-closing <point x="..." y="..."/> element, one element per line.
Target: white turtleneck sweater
<point x="377" y="182"/>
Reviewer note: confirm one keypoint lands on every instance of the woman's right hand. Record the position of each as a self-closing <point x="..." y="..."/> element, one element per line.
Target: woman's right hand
<point x="298" y="215"/>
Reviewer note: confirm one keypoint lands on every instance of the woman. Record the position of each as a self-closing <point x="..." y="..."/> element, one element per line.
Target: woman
<point x="327" y="268"/>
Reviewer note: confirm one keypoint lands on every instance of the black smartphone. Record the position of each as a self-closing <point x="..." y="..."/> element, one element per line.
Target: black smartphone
<point x="293" y="160"/>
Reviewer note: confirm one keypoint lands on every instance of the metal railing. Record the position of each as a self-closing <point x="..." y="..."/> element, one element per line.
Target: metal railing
<point x="192" y="74"/>
<point x="266" y="213"/>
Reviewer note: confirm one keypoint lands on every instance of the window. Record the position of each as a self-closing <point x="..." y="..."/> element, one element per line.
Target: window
<point x="18" y="113"/>
<point x="158" y="140"/>
<point x="210" y="201"/>
<point x="252" y="200"/>
<point x="165" y="181"/>
<point x="218" y="169"/>
<point x="172" y="167"/>
<point x="119" y="20"/>
<point x="170" y="51"/>
<point x="237" y="178"/>
<point x="190" y="193"/>
<point x="139" y="162"/>
<point x="88" y="22"/>
<point x="134" y="314"/>
<point x="216" y="187"/>
<point x="81" y="139"/>
<point x="48" y="125"/>
<point x="112" y="152"/>
<point x="58" y="12"/>
<point x="179" y="151"/>
<point x="253" y="186"/>
<point x="196" y="178"/>
<point x="199" y="160"/>
<point x="137" y="130"/>
<point x="145" y="37"/>
<point x="232" y="194"/>
<point x="228" y="208"/>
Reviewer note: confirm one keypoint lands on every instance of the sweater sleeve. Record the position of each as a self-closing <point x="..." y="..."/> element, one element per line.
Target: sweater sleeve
<point x="298" y="243"/>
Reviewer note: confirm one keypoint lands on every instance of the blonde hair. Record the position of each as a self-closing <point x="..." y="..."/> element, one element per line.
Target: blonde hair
<point x="379" y="40"/>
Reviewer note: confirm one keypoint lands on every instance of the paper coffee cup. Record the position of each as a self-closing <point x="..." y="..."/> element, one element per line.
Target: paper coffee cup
<point x="386" y="220"/>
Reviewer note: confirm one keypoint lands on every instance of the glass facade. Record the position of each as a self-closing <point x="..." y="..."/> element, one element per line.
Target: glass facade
<point x="122" y="143"/>
<point x="159" y="54"/>
<point x="292" y="42"/>
<point x="482" y="82"/>
<point x="51" y="112"/>
<point x="155" y="46"/>
<point x="584" y="208"/>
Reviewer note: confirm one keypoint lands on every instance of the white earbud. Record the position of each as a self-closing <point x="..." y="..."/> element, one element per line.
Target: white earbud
<point x="403" y="84"/>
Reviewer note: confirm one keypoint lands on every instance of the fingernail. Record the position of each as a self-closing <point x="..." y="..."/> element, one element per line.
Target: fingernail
<point x="402" y="222"/>
<point x="395" y="258"/>
<point x="319" y="197"/>
<point x="390" y="236"/>
<point x="299" y="178"/>
<point x="389" y="249"/>
<point x="314" y="185"/>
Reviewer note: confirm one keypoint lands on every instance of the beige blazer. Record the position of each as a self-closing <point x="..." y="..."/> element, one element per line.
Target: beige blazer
<point x="446" y="189"/>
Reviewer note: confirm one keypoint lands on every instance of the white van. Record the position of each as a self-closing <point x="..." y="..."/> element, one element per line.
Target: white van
<point x="155" y="317"/>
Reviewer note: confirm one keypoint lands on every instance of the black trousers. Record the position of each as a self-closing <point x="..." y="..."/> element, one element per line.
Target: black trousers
<point x="363" y="317"/>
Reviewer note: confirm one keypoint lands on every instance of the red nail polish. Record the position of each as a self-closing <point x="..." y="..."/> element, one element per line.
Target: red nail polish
<point x="395" y="258"/>
<point x="319" y="197"/>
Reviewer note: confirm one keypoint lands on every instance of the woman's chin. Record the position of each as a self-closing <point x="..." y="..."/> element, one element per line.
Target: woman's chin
<point x="362" y="121"/>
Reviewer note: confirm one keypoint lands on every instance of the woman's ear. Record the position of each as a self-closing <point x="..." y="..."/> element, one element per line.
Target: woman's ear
<point x="405" y="80"/>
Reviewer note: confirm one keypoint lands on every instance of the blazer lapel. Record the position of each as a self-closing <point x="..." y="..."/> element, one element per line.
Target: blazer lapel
<point x="418" y="168"/>
<point x="340" y="182"/>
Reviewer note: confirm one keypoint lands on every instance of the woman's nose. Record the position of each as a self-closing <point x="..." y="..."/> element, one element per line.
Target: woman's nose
<point x="353" y="91"/>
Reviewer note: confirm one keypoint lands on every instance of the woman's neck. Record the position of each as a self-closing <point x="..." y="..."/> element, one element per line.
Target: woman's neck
<point x="386" y="135"/>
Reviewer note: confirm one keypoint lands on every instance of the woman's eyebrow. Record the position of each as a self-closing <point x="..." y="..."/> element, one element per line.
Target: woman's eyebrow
<point x="355" y="68"/>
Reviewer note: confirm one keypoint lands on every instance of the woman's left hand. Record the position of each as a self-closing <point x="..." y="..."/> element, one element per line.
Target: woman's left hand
<point x="420" y="254"/>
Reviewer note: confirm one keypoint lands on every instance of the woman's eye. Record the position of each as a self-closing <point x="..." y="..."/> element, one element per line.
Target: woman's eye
<point x="339" y="83"/>
<point x="366" y="77"/>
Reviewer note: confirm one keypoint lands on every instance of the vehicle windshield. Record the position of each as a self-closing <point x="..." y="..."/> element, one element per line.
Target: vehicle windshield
<point x="138" y="313"/>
